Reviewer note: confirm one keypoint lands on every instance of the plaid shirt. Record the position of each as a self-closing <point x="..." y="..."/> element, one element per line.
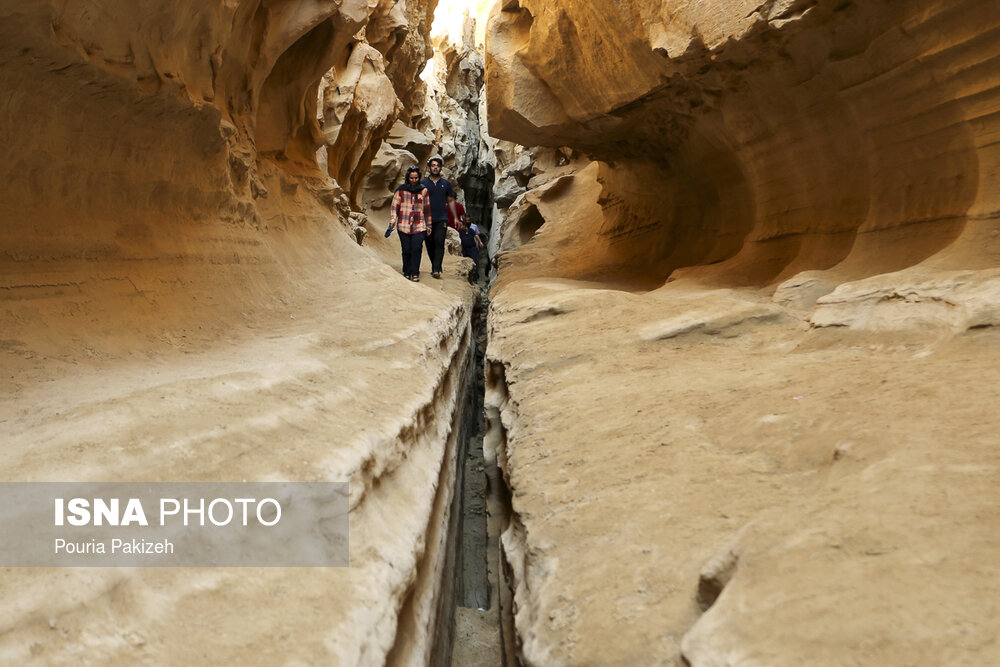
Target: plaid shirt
<point x="410" y="213"/>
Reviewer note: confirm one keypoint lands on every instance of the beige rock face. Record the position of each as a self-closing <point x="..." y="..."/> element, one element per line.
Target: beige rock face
<point x="373" y="86"/>
<point x="183" y="298"/>
<point x="359" y="105"/>
<point x="743" y="342"/>
<point x="828" y="501"/>
<point x="785" y="141"/>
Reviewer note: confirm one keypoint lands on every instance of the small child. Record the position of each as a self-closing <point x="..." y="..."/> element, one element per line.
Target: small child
<point x="471" y="243"/>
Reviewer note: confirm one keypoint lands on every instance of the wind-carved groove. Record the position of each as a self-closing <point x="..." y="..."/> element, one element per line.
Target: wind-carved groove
<point x="520" y="18"/>
<point x="529" y="224"/>
<point x="287" y="110"/>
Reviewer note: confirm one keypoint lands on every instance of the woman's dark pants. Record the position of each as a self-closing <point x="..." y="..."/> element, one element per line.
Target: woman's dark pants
<point x="412" y="247"/>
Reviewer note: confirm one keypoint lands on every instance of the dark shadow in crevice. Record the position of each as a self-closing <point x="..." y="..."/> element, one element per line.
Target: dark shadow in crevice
<point x="529" y="224"/>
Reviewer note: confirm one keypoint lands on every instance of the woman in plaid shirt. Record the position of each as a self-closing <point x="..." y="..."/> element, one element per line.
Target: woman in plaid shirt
<point x="410" y="216"/>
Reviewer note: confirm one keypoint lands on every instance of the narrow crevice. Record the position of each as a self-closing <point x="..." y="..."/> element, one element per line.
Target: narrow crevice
<point x="474" y="581"/>
<point x="501" y="513"/>
<point x="431" y="584"/>
<point x="482" y="506"/>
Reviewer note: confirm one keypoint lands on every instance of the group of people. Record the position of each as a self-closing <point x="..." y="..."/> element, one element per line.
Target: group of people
<point x="421" y="212"/>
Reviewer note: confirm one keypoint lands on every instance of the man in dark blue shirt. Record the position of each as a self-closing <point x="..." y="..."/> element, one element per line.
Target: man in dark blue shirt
<point x="442" y="196"/>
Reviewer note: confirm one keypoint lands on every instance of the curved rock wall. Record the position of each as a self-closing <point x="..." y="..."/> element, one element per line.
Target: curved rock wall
<point x="181" y="298"/>
<point x="148" y="155"/>
<point x="851" y="137"/>
<point x="743" y="330"/>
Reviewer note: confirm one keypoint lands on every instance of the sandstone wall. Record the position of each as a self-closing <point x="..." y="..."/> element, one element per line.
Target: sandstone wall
<point x="848" y="137"/>
<point x="183" y="299"/>
<point x="744" y="328"/>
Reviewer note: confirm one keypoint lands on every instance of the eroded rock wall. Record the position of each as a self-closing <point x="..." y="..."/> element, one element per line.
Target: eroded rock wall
<point x="372" y="88"/>
<point x="743" y="328"/>
<point x="183" y="298"/>
<point x="852" y="137"/>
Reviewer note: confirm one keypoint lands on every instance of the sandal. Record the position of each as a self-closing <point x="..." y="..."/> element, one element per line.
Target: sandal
<point x="415" y="279"/>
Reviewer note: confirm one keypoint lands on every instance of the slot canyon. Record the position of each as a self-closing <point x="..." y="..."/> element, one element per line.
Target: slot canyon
<point x="721" y="390"/>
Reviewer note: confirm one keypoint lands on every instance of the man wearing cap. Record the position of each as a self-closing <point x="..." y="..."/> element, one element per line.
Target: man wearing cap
<point x="442" y="197"/>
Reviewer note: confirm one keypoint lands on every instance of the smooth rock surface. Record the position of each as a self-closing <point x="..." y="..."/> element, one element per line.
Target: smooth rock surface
<point x="183" y="297"/>
<point x="743" y="351"/>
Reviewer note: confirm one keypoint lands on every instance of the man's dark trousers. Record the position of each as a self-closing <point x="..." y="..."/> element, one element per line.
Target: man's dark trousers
<point x="435" y="244"/>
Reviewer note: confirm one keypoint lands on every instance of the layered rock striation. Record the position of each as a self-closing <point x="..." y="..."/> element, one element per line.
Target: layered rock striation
<point x="743" y="330"/>
<point x="184" y="298"/>
<point x="785" y="137"/>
